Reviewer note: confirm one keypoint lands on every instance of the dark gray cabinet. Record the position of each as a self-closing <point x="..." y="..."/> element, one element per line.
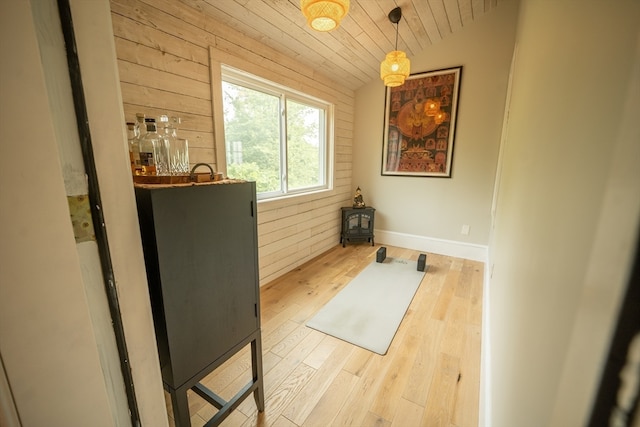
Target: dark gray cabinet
<point x="200" y="248"/>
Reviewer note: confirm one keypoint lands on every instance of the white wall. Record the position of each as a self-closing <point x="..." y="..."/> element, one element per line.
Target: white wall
<point x="96" y="52"/>
<point x="427" y="209"/>
<point x="568" y="209"/>
<point x="49" y="346"/>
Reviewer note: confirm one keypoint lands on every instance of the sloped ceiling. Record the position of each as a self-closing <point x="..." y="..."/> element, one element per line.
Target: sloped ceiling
<point x="352" y="53"/>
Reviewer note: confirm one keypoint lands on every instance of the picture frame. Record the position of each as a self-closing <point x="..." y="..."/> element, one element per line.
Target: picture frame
<point x="420" y="123"/>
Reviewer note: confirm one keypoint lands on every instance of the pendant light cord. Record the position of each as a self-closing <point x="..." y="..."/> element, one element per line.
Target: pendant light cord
<point x="395" y="16"/>
<point x="397" y="23"/>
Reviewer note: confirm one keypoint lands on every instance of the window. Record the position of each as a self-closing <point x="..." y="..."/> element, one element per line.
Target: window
<point x="274" y="136"/>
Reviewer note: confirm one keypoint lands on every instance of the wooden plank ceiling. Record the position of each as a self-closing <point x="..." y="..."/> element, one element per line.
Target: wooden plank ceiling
<point x="351" y="54"/>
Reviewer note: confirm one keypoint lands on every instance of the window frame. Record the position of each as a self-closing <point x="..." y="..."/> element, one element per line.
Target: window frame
<point x="238" y="77"/>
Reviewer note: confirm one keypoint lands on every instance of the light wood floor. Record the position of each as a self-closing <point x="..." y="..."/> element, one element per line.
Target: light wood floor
<point x="429" y="377"/>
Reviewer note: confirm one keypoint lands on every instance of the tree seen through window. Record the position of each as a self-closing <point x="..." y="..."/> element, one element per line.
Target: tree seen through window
<point x="268" y="132"/>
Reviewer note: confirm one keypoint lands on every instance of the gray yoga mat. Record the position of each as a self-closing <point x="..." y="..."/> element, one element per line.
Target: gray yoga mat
<point x="368" y="311"/>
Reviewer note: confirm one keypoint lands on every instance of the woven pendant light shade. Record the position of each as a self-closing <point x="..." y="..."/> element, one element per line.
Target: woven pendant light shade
<point x="395" y="68"/>
<point x="324" y="15"/>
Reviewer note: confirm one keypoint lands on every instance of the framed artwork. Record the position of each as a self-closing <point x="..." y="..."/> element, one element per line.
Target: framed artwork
<point x="420" y="124"/>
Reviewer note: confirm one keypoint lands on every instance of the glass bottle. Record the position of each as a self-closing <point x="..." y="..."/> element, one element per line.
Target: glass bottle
<point x="164" y="146"/>
<point x="180" y="157"/>
<point x="133" y="132"/>
<point x="178" y="149"/>
<point x="142" y="126"/>
<point x="148" y="147"/>
<point x="142" y="131"/>
<point x="183" y="152"/>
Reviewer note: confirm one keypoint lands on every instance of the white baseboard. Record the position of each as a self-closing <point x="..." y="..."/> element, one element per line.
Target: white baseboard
<point x="484" y="418"/>
<point x="429" y="244"/>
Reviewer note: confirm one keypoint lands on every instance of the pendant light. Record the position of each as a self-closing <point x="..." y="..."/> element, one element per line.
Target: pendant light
<point x="396" y="66"/>
<point x="324" y="15"/>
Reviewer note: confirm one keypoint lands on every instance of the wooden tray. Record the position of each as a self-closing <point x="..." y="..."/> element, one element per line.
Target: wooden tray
<point x="180" y="179"/>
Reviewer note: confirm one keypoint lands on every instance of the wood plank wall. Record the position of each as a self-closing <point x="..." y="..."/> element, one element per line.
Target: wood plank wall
<point x="163" y="51"/>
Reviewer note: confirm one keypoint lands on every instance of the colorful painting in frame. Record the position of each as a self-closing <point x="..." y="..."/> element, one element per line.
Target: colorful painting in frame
<point x="420" y="124"/>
